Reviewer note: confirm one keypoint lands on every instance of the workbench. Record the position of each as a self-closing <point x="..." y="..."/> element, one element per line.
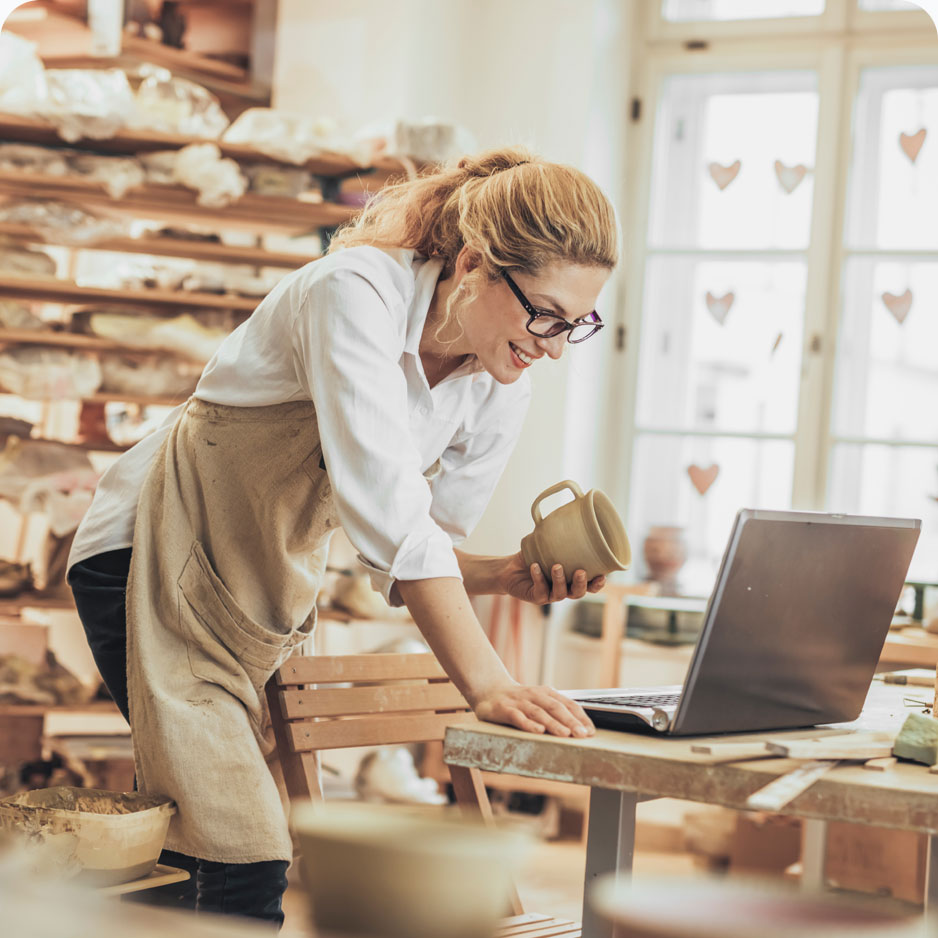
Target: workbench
<point x="623" y="768"/>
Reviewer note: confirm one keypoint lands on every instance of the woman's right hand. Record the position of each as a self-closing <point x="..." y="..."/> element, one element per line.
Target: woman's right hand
<point x="535" y="709"/>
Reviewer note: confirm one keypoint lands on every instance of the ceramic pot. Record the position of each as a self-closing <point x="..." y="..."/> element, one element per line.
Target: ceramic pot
<point x="665" y="551"/>
<point x="585" y="534"/>
<point x="387" y="873"/>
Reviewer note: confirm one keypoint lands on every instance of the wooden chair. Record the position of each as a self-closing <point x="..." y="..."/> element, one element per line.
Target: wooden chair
<point x="384" y="699"/>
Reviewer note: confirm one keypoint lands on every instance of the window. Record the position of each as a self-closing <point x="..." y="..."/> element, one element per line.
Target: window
<point x="785" y="292"/>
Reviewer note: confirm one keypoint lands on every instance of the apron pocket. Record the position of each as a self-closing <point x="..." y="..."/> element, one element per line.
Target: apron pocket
<point x="323" y="512"/>
<point x="222" y="621"/>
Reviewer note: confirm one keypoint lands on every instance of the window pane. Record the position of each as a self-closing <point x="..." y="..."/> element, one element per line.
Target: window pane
<point x="894" y="178"/>
<point x="734" y="157"/>
<point x="879" y="5"/>
<point x="749" y="474"/>
<point x="896" y="481"/>
<point x="704" y="10"/>
<point x="721" y="345"/>
<point x="886" y="378"/>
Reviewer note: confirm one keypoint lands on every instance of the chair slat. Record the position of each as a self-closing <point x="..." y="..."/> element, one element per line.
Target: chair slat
<point x="377" y="731"/>
<point x="346" y="701"/>
<point x="330" y="669"/>
<point x="543" y="927"/>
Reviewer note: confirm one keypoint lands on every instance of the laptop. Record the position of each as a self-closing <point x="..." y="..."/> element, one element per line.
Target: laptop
<point x="792" y="632"/>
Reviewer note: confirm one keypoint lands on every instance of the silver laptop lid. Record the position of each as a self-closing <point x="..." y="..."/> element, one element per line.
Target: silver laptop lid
<point x="796" y="620"/>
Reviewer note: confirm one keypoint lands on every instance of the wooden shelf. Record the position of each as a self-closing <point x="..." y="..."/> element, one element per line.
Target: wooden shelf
<point x="147" y="400"/>
<point x="39" y="710"/>
<point x="64" y="291"/>
<point x="14" y="604"/>
<point x="164" y="246"/>
<point x="131" y="142"/>
<point x="256" y="213"/>
<point x="75" y="340"/>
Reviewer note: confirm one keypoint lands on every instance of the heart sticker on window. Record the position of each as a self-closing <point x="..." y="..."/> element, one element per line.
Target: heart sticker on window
<point x="790" y="177"/>
<point x="724" y="175"/>
<point x="719" y="306"/>
<point x="912" y="143"/>
<point x="899" y="306"/>
<point x="702" y="479"/>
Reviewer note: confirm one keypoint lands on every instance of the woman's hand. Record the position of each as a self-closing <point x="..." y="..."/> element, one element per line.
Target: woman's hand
<point x="530" y="584"/>
<point x="535" y="709"/>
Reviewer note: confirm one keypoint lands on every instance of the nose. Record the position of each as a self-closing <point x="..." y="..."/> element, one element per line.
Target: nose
<point x="552" y="346"/>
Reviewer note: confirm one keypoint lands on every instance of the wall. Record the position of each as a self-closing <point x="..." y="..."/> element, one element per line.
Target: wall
<point x="547" y="73"/>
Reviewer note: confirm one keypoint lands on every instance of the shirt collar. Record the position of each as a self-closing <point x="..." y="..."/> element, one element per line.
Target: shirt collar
<point x="426" y="274"/>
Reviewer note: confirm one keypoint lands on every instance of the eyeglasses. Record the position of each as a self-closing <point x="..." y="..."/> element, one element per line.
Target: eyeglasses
<point x="546" y="324"/>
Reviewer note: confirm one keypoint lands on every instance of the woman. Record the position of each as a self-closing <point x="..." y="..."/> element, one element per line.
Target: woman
<point x="380" y="388"/>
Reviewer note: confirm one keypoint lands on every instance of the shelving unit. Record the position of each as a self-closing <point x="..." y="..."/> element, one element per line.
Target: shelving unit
<point x="316" y="212"/>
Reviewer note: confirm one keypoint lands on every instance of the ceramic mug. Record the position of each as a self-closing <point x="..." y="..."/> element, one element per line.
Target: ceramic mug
<point x="585" y="534"/>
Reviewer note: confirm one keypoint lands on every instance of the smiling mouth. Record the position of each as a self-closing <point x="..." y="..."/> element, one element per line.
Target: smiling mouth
<point x="523" y="357"/>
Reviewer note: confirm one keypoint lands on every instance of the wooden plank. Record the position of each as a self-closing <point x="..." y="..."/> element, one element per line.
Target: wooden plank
<point x="60" y="340"/>
<point x="556" y="928"/>
<point x="160" y="875"/>
<point x="64" y="291"/>
<point x="784" y="789"/>
<point x="346" y="701"/>
<point x="130" y="142"/>
<point x="165" y="246"/>
<point x="300" y="770"/>
<point x="859" y="746"/>
<point x="377" y="731"/>
<point x="880" y="765"/>
<point x="252" y="212"/>
<point x="732" y="751"/>
<point x="341" y="669"/>
<point x="147" y="400"/>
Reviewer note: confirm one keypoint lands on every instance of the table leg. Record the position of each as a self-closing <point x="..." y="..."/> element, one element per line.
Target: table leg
<point x="813" y="853"/>
<point x="931" y="874"/>
<point x="609" y="847"/>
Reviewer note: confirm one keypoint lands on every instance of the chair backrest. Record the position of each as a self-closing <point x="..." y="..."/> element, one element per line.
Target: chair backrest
<point x="364" y="700"/>
<point x="332" y="702"/>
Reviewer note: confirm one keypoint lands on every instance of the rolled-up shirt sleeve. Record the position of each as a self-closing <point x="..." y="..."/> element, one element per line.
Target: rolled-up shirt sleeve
<point x="348" y="340"/>
<point x="474" y="462"/>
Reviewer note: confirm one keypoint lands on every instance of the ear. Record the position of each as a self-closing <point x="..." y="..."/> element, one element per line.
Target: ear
<point x="467" y="260"/>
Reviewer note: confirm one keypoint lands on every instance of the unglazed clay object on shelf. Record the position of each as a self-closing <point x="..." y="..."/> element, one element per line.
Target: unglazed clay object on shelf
<point x="584" y="534"/>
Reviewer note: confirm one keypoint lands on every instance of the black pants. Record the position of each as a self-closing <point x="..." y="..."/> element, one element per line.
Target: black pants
<point x="99" y="586"/>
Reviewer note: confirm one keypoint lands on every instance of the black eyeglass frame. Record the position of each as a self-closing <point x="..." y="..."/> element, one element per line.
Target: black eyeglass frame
<point x="534" y="313"/>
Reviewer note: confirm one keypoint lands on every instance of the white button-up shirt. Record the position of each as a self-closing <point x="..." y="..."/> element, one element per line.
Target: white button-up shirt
<point x="344" y="332"/>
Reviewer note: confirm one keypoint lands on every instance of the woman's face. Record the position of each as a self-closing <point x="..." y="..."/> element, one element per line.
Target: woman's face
<point x="494" y="323"/>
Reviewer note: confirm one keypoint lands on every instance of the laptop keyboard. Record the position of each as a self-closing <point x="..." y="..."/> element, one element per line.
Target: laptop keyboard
<point x="636" y="700"/>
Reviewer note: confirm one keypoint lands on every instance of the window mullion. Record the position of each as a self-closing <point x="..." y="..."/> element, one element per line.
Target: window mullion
<point x="822" y="300"/>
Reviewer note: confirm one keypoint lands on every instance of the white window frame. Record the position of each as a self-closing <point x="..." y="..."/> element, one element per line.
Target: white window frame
<point x="838" y="45"/>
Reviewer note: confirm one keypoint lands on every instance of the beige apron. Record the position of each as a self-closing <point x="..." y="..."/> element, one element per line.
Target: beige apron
<point x="229" y="550"/>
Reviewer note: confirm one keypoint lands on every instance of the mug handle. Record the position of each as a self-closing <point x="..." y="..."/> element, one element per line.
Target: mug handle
<point x="560" y="486"/>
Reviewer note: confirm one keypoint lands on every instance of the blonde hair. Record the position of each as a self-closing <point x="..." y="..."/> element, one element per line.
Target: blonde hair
<point x="512" y="208"/>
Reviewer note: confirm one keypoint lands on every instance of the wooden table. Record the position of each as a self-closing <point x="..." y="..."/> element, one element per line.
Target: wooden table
<point x="623" y="768"/>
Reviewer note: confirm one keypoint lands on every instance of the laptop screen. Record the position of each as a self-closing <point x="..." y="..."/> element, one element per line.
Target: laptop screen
<point x="796" y="622"/>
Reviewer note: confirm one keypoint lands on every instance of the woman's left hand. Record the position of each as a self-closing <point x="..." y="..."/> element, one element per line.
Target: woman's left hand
<point x="530" y="584"/>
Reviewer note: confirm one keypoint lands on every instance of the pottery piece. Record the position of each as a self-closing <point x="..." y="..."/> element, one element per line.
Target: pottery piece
<point x="102" y="837"/>
<point x="665" y="551"/>
<point x="697" y="907"/>
<point x="584" y="534"/>
<point x="381" y="871"/>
